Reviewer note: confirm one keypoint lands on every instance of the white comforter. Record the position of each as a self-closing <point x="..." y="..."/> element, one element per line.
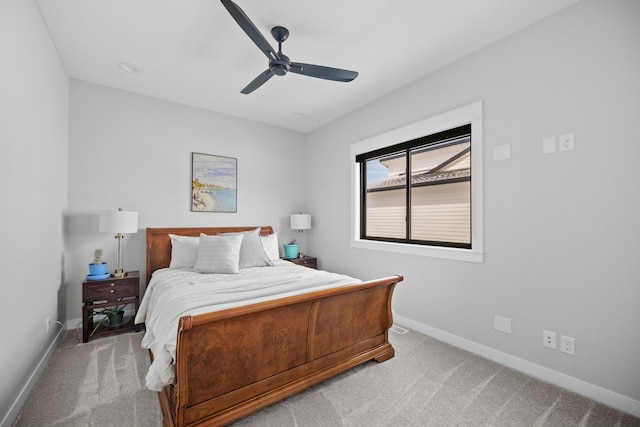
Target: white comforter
<point x="173" y="293"/>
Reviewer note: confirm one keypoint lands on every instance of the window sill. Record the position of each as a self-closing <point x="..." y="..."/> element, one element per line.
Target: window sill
<point x="428" y="251"/>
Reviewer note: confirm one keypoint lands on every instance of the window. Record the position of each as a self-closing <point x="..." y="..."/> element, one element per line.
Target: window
<point x="432" y="207"/>
<point x="418" y="189"/>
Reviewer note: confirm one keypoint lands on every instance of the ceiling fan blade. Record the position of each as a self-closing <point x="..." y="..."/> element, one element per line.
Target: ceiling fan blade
<point x="321" y="72"/>
<point x="257" y="82"/>
<point x="245" y="23"/>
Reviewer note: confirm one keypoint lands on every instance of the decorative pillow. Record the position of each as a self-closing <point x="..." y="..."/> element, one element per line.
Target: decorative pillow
<point x="252" y="253"/>
<point x="184" y="251"/>
<point x="218" y="254"/>
<point x="270" y="245"/>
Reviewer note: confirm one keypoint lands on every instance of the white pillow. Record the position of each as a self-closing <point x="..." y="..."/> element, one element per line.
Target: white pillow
<point x="270" y="245"/>
<point x="252" y="253"/>
<point x="218" y="254"/>
<point x="184" y="251"/>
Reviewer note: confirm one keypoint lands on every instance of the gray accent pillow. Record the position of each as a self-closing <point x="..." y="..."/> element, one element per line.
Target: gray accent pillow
<point x="219" y="254"/>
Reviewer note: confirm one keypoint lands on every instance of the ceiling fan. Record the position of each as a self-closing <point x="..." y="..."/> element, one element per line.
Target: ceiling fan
<point x="279" y="63"/>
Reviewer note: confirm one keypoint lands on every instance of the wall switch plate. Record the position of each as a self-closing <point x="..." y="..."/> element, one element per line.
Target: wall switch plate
<point x="549" y="145"/>
<point x="502" y="324"/>
<point x="568" y="345"/>
<point x="502" y="152"/>
<point x="567" y="142"/>
<point x="549" y="339"/>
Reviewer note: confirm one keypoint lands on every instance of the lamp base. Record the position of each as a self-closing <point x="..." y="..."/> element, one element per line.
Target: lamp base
<point x="300" y="254"/>
<point x="119" y="273"/>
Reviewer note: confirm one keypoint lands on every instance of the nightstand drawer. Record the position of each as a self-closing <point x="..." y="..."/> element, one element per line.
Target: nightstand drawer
<point x="305" y="261"/>
<point x="110" y="290"/>
<point x="311" y="263"/>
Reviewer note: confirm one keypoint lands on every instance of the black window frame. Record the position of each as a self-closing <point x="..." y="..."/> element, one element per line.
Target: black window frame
<point x="405" y="148"/>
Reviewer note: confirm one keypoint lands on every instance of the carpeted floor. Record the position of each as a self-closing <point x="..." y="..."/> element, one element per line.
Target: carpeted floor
<point x="100" y="383"/>
<point x="428" y="383"/>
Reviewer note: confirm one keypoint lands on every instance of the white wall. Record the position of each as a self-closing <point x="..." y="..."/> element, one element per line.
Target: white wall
<point x="34" y="92"/>
<point x="561" y="230"/>
<point x="134" y="152"/>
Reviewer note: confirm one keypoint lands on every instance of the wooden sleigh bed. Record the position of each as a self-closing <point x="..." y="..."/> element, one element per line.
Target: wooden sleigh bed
<point x="233" y="362"/>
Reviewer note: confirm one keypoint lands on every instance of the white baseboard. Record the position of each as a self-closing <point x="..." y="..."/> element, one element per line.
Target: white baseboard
<point x="21" y="399"/>
<point x="74" y="323"/>
<point x="608" y="397"/>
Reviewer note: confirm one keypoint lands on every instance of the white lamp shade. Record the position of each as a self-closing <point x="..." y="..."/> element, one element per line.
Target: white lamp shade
<point x="118" y="222"/>
<point x="300" y="222"/>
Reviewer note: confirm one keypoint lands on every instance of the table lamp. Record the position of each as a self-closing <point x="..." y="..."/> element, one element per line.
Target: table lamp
<point x="119" y="222"/>
<point x="300" y="222"/>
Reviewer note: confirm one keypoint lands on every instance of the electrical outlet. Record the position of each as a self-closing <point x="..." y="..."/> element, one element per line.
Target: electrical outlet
<point x="568" y="345"/>
<point x="566" y="142"/>
<point x="549" y="339"/>
<point x="48" y="323"/>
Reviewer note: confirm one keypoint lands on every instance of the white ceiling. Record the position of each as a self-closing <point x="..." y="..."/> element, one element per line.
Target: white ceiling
<point x="194" y="53"/>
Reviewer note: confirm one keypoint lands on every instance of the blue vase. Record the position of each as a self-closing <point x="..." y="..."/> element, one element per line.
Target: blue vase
<point x="98" y="269"/>
<point x="291" y="251"/>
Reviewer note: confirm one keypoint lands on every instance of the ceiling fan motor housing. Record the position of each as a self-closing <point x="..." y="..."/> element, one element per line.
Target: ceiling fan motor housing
<point x="280" y="66"/>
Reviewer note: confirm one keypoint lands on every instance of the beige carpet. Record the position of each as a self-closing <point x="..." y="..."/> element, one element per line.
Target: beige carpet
<point x="428" y="383"/>
<point x="100" y="383"/>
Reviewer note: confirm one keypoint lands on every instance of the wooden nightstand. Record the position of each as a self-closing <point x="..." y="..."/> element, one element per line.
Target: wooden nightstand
<point x="97" y="294"/>
<point x="306" y="261"/>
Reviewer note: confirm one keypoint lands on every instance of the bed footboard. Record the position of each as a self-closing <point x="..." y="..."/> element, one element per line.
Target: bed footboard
<point x="231" y="363"/>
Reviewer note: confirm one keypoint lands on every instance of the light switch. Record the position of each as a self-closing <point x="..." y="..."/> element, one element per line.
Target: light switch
<point x="549" y="145"/>
<point x="502" y="152"/>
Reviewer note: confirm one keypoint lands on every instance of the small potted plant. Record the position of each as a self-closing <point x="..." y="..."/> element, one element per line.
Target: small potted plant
<point x="113" y="316"/>
<point x="97" y="267"/>
<point x="291" y="249"/>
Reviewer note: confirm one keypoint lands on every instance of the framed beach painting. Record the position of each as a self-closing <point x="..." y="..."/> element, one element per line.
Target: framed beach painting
<point x="213" y="183"/>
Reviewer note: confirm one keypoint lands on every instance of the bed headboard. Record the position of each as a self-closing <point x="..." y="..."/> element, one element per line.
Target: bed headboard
<point x="159" y="243"/>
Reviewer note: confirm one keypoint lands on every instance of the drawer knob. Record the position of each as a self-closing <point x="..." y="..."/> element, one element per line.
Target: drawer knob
<point x="111" y="291"/>
<point x="112" y="284"/>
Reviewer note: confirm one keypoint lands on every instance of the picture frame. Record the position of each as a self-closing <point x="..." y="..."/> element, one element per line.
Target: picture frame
<point x="214" y="183"/>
